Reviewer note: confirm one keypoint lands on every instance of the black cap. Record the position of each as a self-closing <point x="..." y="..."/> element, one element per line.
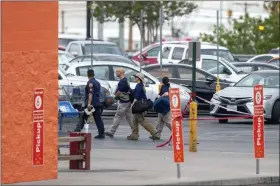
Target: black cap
<point x="165" y="80"/>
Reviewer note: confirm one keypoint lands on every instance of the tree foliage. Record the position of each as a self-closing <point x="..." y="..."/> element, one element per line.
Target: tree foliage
<point x="245" y="37"/>
<point x="105" y="11"/>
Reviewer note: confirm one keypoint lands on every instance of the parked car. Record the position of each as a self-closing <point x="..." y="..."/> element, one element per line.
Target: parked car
<point x="150" y="52"/>
<point x="105" y="70"/>
<point x="275" y="61"/>
<point x="84" y="47"/>
<point x="104" y="57"/>
<point x="275" y="51"/>
<point x="226" y="70"/>
<point x="174" y="53"/>
<point x="182" y="74"/>
<point x="65" y="39"/>
<point x="239" y="97"/>
<point x="262" y="58"/>
<point x="251" y="67"/>
<point x="70" y="81"/>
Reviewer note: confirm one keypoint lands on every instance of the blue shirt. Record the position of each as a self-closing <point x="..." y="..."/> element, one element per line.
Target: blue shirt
<point x="139" y="92"/>
<point x="95" y="94"/>
<point x="163" y="89"/>
<point x="123" y="85"/>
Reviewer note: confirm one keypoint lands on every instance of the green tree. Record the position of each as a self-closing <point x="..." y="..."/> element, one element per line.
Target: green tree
<point x="246" y="37"/>
<point x="105" y="11"/>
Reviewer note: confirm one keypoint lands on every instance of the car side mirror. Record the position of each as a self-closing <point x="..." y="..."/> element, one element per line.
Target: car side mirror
<point x="210" y="79"/>
<point x="227" y="71"/>
<point x="147" y="84"/>
<point x="232" y="84"/>
<point x="144" y="55"/>
<point x="74" y="53"/>
<point x="236" y="59"/>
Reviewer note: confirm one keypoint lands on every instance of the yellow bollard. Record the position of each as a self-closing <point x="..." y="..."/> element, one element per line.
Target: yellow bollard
<point x="193" y="127"/>
<point x="218" y="88"/>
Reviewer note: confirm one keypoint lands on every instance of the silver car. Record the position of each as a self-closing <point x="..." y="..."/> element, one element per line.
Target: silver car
<point x="105" y="70"/>
<point x="237" y="100"/>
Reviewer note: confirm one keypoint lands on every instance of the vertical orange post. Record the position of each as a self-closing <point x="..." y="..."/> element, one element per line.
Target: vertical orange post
<point x="29" y="60"/>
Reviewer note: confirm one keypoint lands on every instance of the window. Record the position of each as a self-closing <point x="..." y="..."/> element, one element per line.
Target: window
<point x="186" y="61"/>
<point x="102" y="48"/>
<point x="178" y="53"/>
<point x="101" y="72"/>
<point x="222" y="53"/>
<point x="153" y="52"/>
<point x="262" y="59"/>
<point x="129" y="74"/>
<point x="165" y="53"/>
<point x="186" y="73"/>
<point x="74" y="48"/>
<point x="166" y="72"/>
<point x="211" y="66"/>
<point x="275" y="62"/>
<point x="268" y="80"/>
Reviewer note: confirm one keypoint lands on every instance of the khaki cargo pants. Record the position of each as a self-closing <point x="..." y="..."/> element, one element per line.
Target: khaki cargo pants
<point x="123" y="111"/>
<point x="163" y="119"/>
<point x="140" y="119"/>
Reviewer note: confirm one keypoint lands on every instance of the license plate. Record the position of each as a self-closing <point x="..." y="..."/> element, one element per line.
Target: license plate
<point x="231" y="107"/>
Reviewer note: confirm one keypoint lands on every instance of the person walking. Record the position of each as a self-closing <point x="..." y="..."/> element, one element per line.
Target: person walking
<point x="122" y="94"/>
<point x="164" y="107"/>
<point x="139" y="93"/>
<point x="92" y="96"/>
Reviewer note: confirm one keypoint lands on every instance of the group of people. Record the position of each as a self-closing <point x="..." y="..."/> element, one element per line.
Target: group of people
<point x="127" y="98"/>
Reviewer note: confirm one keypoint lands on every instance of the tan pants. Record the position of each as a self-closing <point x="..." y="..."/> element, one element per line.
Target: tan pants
<point x="123" y="111"/>
<point x="140" y="119"/>
<point x="163" y="119"/>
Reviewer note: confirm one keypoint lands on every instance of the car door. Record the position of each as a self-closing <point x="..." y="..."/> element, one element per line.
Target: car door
<point x="177" y="55"/>
<point x="203" y="87"/>
<point x="129" y="74"/>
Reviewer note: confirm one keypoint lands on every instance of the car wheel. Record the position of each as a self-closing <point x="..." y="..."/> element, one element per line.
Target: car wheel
<point x="275" y="115"/>
<point x="223" y="120"/>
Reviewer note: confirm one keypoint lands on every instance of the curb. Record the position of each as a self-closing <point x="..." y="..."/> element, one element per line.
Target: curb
<point x="254" y="181"/>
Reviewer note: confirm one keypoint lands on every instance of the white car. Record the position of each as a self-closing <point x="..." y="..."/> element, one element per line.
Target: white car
<point x="174" y="53"/>
<point x="209" y="63"/>
<point x="105" y="70"/>
<point x="262" y="58"/>
<point x="68" y="80"/>
<point x="84" y="47"/>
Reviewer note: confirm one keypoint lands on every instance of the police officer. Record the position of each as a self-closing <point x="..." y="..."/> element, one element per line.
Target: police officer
<point x="163" y="118"/>
<point x="124" y="106"/>
<point x="92" y="93"/>
<point x="139" y="93"/>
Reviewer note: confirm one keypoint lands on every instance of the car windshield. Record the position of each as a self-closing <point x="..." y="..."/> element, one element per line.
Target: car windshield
<point x="102" y="48"/>
<point x="268" y="80"/>
<point x="222" y="53"/>
<point x="64" y="57"/>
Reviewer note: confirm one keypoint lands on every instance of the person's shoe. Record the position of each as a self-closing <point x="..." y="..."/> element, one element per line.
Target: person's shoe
<point x="131" y="137"/>
<point x="100" y="137"/>
<point x="109" y="134"/>
<point x="154" y="137"/>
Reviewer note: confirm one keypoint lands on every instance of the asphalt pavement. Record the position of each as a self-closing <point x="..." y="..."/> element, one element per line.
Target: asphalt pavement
<point x="225" y="157"/>
<point x="235" y="136"/>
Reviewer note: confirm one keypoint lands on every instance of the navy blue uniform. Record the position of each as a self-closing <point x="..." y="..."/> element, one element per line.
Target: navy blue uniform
<point x="96" y="104"/>
<point x="123" y="86"/>
<point x="163" y="89"/>
<point x="139" y="92"/>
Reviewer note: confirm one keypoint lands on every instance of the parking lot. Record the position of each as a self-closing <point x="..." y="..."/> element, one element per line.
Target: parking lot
<point x="235" y="136"/>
